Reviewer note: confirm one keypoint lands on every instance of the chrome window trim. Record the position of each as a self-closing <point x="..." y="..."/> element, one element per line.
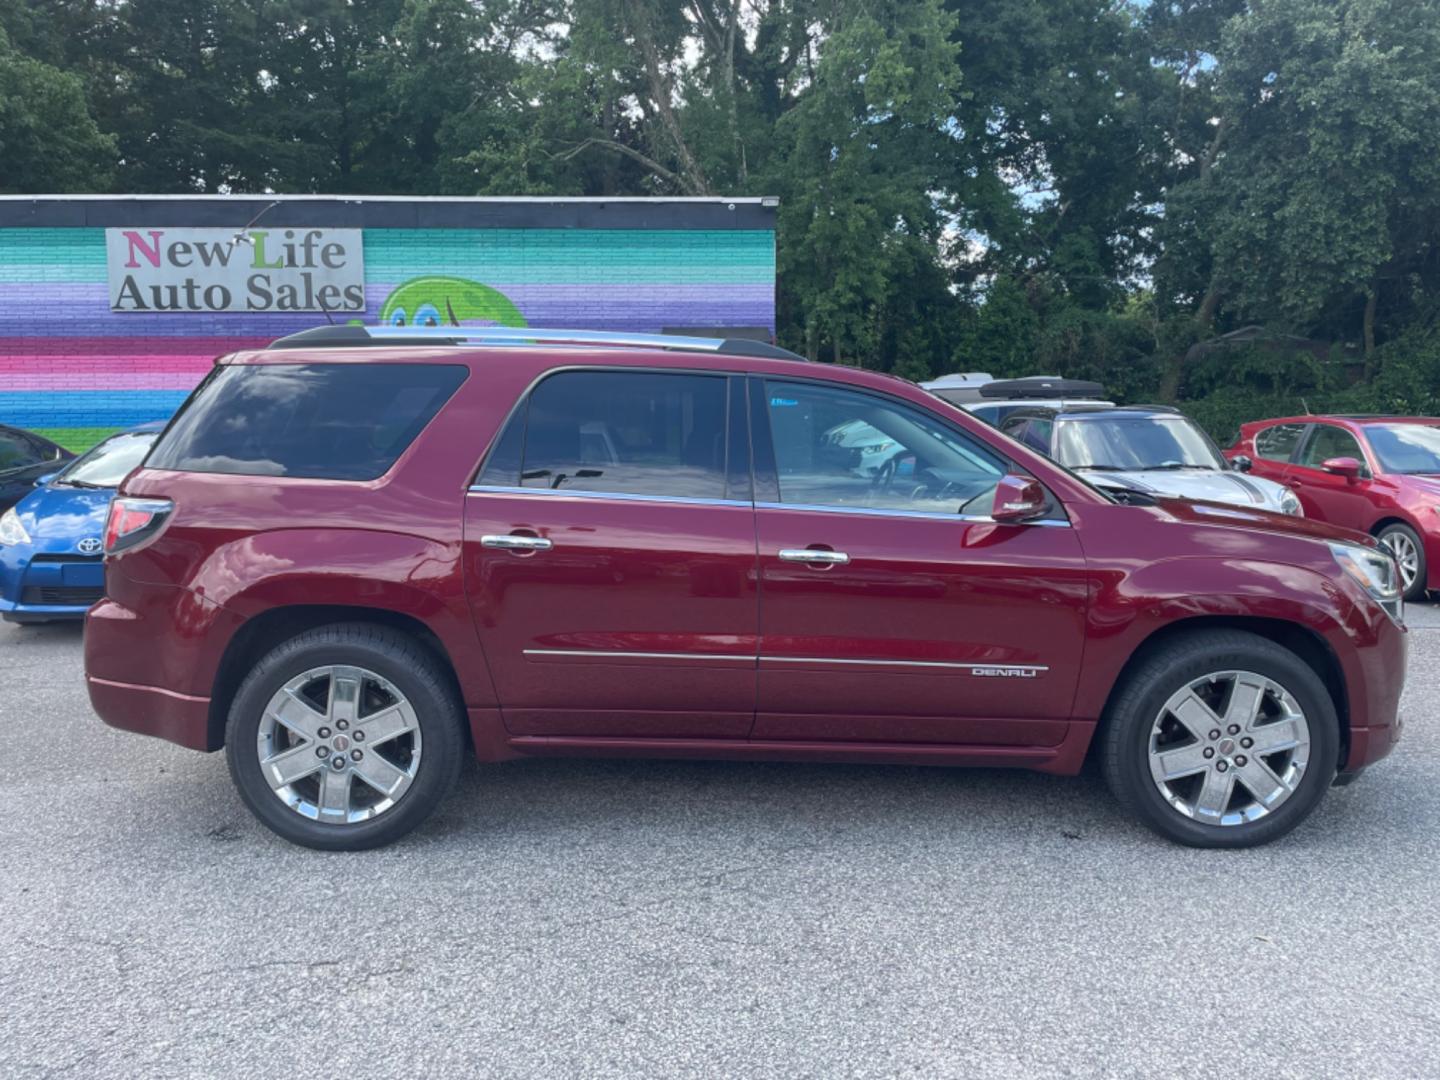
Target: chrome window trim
<point x="926" y="514"/>
<point x="499" y="489"/>
<point x="971" y="519"/>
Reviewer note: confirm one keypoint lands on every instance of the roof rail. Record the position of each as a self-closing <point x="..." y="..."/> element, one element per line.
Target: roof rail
<point x="353" y="335"/>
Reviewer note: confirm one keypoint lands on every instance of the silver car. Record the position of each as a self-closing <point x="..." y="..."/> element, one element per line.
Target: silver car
<point x="1147" y="448"/>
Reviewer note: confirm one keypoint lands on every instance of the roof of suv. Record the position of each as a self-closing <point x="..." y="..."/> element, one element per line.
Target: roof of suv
<point x="351" y="336"/>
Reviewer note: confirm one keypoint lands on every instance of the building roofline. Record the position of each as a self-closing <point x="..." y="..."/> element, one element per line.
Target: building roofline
<point x="387" y="211"/>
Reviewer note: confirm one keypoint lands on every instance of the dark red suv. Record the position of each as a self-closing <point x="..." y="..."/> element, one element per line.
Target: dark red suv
<point x="357" y="552"/>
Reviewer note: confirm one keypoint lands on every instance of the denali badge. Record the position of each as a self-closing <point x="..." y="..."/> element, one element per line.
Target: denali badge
<point x="1016" y="671"/>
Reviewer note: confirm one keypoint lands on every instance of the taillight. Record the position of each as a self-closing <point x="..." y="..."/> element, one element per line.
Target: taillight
<point x="132" y="521"/>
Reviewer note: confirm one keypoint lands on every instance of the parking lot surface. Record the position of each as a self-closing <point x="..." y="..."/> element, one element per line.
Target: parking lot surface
<point x="581" y="918"/>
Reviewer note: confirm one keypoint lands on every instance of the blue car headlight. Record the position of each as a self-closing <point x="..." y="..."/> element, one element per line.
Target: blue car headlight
<point x="11" y="531"/>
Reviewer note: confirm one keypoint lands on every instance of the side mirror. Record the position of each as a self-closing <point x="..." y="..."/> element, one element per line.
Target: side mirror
<point x="1347" y="467"/>
<point x="1241" y="463"/>
<point x="41" y="481"/>
<point x="1018" y="499"/>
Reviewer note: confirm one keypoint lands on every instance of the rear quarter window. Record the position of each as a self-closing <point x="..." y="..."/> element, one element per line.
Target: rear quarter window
<point x="321" y="421"/>
<point x="1277" y="443"/>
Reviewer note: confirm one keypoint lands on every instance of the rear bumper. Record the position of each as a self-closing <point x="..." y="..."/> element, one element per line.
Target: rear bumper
<point x="151" y="710"/>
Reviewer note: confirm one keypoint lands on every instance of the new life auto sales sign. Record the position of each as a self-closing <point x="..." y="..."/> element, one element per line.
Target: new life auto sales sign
<point x="200" y="270"/>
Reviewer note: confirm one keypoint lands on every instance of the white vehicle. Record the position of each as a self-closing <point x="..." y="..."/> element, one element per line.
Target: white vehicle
<point x="992" y="400"/>
<point x="1147" y="448"/>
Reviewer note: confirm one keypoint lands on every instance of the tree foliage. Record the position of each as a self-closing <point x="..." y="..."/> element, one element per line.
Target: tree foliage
<point x="1088" y="187"/>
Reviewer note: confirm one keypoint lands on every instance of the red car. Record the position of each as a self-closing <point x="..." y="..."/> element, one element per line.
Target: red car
<point x="357" y="555"/>
<point x="1374" y="474"/>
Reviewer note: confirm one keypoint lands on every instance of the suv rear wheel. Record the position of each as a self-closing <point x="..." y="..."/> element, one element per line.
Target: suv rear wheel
<point x="345" y="737"/>
<point x="1221" y="739"/>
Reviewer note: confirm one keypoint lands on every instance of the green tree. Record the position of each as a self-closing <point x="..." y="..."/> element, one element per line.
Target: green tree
<point x="48" y="139"/>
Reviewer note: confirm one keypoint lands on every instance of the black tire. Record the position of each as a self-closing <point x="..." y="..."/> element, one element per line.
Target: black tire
<point x="395" y="657"/>
<point x="1125" y="736"/>
<point x="1416" y="590"/>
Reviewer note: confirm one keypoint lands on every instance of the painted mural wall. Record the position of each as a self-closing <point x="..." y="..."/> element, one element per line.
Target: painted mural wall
<point x="75" y="371"/>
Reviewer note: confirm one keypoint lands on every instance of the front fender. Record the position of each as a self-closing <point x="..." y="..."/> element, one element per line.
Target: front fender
<point x="1127" y="609"/>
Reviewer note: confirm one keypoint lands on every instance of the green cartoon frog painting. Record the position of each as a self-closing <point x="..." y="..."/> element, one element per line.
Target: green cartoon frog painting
<point x="448" y="301"/>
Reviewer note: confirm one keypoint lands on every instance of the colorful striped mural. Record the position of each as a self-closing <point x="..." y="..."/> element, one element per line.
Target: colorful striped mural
<point x="74" y="370"/>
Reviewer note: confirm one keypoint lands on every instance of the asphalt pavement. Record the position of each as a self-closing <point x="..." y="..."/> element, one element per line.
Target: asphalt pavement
<point x="659" y="919"/>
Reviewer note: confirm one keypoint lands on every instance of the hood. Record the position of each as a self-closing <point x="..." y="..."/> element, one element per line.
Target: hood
<point x="58" y="519"/>
<point x="1425" y="484"/>
<point x="1210" y="485"/>
<point x="1231" y="516"/>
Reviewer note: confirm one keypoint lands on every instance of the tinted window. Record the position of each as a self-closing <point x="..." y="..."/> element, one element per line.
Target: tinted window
<point x="1330" y="442"/>
<point x="623" y="433"/>
<point x="110" y="462"/>
<point x="848" y="449"/>
<point x="1034" y="432"/>
<point x="17" y="452"/>
<point x="328" y="421"/>
<point x="1278" y="443"/>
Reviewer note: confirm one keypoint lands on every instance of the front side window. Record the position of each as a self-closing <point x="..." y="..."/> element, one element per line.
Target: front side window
<point x="104" y="466"/>
<point x="1278" y="443"/>
<point x="1406" y="448"/>
<point x="1329" y="442"/>
<point x="842" y="448"/>
<point x="619" y="432"/>
<point x="324" y="421"/>
<point x="1135" y="443"/>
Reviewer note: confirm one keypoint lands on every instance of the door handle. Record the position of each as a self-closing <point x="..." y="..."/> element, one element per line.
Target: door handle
<point x="1295" y="483"/>
<point x="814" y="555"/>
<point x="516" y="543"/>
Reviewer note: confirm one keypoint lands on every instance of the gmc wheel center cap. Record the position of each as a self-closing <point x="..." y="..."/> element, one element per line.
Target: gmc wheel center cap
<point x="341" y="743"/>
<point x="1227" y="746"/>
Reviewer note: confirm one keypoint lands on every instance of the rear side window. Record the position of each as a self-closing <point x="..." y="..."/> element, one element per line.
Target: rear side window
<point x="1278" y="443"/>
<point x="323" y="421"/>
<point x="618" y="432"/>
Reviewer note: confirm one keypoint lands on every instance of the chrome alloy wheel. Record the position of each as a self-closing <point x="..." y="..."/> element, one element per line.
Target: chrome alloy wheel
<point x="1407" y="555"/>
<point x="339" y="744"/>
<point x="1229" y="747"/>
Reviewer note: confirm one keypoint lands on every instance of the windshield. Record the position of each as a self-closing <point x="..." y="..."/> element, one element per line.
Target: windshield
<point x="110" y="462"/>
<point x="1135" y="443"/>
<point x="1406" y="448"/>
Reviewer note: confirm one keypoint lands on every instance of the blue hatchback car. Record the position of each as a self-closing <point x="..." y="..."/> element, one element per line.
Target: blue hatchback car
<point x="52" y="541"/>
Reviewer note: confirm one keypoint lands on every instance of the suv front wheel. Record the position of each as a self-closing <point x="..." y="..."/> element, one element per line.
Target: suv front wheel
<point x="345" y="737"/>
<point x="1221" y="738"/>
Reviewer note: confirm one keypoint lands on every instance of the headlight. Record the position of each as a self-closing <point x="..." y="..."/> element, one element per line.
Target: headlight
<point x="1374" y="570"/>
<point x="1289" y="504"/>
<point x="11" y="531"/>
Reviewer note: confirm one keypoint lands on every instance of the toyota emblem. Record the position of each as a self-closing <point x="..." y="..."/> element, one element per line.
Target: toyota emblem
<point x="90" y="546"/>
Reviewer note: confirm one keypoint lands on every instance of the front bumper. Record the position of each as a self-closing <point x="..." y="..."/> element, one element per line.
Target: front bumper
<point x="1375" y="681"/>
<point x="43" y="586"/>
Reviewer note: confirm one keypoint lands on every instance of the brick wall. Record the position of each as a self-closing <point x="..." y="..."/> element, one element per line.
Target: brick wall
<point x="74" y="370"/>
